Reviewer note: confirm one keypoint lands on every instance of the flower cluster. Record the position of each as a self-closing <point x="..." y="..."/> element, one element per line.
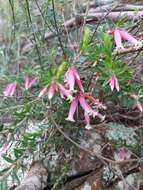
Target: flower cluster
<point x="73" y="85"/>
<point x="11" y="88"/>
<point x="88" y="110"/>
<point x="52" y="88"/>
<point x="72" y="80"/>
<point x="120" y="35"/>
<point x="72" y="90"/>
<point x="113" y="82"/>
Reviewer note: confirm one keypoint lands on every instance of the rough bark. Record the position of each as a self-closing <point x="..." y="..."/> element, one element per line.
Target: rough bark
<point x="36" y="178"/>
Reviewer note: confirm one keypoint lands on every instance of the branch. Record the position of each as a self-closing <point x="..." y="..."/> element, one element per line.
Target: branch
<point x="69" y="25"/>
<point x="128" y="50"/>
<point x="57" y="28"/>
<point x="77" y="21"/>
<point x="131" y="15"/>
<point x="128" y="7"/>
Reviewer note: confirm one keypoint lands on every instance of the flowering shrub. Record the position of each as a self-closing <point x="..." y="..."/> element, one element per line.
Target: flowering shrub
<point x="74" y="89"/>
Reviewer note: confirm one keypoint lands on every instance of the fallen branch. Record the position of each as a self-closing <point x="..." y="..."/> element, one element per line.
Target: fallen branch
<point x="77" y="21"/>
<point x="128" y="7"/>
<point x="130" y="15"/>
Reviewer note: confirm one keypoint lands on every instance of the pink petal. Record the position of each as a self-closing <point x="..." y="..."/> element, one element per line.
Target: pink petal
<point x="116" y="84"/>
<point x="84" y="104"/>
<point x="100" y="116"/>
<point x="13" y="89"/>
<point x="112" y="83"/>
<point x="52" y="90"/>
<point x="72" y="110"/>
<point x="77" y="77"/>
<point x="122" y="154"/>
<point x="70" y="79"/>
<point x="29" y="83"/>
<point x="10" y="89"/>
<point x="80" y="85"/>
<point x="117" y="38"/>
<point x="65" y="92"/>
<point x="43" y="91"/>
<point x="139" y="106"/>
<point x="32" y="83"/>
<point x="7" y="90"/>
<point x="75" y="72"/>
<point x="87" y="121"/>
<point x="26" y="83"/>
<point x="126" y="36"/>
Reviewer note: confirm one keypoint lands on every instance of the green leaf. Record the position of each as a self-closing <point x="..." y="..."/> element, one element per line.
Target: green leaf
<point x="107" y="46"/>
<point x="61" y="69"/>
<point x="18" y="153"/>
<point x="1" y="126"/>
<point x="86" y="40"/>
<point x="4" y="170"/>
<point x="8" y="159"/>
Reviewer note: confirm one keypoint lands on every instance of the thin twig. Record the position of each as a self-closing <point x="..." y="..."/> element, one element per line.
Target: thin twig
<point x="103" y="17"/>
<point x="128" y="50"/>
<point x="45" y="20"/>
<point x="13" y="15"/>
<point x="34" y="36"/>
<point x="57" y="28"/>
<point x="100" y="157"/>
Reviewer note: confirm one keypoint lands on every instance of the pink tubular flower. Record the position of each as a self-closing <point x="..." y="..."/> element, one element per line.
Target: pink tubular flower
<point x="29" y="83"/>
<point x="43" y="91"/>
<point x="72" y="77"/>
<point x="72" y="110"/>
<point x="121" y="34"/>
<point x="127" y="36"/>
<point x="139" y="106"/>
<point x="122" y="154"/>
<point x="87" y="121"/>
<point x="113" y="82"/>
<point x="10" y="89"/>
<point x="84" y="104"/>
<point x="87" y="108"/>
<point x="65" y="92"/>
<point x="118" y="39"/>
<point x="52" y="89"/>
<point x="96" y="113"/>
<point x="88" y="111"/>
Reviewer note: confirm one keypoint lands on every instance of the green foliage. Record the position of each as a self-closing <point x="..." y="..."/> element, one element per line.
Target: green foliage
<point x="18" y="153"/>
<point x="9" y="160"/>
<point x="86" y="40"/>
<point x="28" y="22"/>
